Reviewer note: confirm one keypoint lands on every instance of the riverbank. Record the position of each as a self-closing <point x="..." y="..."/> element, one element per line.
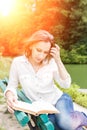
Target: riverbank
<point x="83" y="90"/>
<point x="80" y="108"/>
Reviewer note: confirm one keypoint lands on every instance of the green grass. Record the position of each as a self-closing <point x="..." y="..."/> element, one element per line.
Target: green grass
<point x="77" y="96"/>
<point x="1" y="128"/>
<point x="5" y="63"/>
<point x="2" y="99"/>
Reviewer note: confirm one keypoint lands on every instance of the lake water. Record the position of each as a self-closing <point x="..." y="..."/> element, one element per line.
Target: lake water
<point x="78" y="74"/>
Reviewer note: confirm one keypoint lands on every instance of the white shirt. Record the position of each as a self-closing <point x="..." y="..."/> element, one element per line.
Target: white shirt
<point x="36" y="85"/>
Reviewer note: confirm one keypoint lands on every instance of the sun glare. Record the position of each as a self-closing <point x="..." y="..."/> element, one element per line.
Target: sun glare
<point x="6" y="6"/>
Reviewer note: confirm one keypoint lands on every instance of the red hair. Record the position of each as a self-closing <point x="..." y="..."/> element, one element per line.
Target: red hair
<point x="36" y="37"/>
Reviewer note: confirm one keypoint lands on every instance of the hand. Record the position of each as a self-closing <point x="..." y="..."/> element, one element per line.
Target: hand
<point x="11" y="98"/>
<point x="55" y="52"/>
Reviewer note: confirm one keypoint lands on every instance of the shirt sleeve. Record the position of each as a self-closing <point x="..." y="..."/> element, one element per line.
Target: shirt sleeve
<point x="62" y="83"/>
<point x="13" y="78"/>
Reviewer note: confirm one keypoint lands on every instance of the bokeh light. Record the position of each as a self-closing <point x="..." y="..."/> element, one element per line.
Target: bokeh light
<point x="6" y="6"/>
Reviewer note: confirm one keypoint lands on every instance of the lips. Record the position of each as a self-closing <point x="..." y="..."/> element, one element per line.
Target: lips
<point x="38" y="60"/>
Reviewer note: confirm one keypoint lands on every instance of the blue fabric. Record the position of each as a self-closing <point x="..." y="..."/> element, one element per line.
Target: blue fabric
<point x="67" y="119"/>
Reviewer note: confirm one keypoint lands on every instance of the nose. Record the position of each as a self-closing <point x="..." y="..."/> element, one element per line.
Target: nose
<point x="41" y="55"/>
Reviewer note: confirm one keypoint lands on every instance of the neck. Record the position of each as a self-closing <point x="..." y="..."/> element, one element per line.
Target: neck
<point x="33" y="62"/>
<point x="36" y="66"/>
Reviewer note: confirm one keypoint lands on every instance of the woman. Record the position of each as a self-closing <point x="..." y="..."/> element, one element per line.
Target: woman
<point x="36" y="72"/>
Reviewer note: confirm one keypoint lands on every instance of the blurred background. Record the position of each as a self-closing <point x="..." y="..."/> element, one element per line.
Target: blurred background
<point x="65" y="19"/>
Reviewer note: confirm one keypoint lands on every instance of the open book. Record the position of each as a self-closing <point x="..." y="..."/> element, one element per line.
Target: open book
<point x="35" y="108"/>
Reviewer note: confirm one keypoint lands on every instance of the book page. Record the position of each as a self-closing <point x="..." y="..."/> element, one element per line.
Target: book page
<point x="42" y="105"/>
<point x="37" y="107"/>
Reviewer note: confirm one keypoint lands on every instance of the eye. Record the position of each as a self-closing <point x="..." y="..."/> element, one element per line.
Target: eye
<point x="39" y="50"/>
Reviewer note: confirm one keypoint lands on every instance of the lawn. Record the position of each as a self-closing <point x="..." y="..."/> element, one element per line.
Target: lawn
<point x="5" y="63"/>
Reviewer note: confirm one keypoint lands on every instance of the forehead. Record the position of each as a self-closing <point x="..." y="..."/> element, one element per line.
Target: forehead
<point x="43" y="45"/>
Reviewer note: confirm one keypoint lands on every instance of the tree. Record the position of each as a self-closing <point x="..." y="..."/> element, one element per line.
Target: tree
<point x="65" y="19"/>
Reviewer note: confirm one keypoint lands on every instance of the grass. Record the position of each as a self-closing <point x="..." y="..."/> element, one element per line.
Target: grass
<point x="2" y="99"/>
<point x="1" y="128"/>
<point x="5" y="63"/>
<point x="77" y="96"/>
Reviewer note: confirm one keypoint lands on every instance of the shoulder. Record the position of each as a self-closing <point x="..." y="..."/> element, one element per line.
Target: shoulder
<point x="17" y="61"/>
<point x="20" y="59"/>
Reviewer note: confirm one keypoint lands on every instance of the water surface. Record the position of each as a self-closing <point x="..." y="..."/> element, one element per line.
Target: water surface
<point x="78" y="74"/>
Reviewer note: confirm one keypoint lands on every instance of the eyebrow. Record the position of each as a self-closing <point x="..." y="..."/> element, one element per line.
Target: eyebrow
<point x="44" y="51"/>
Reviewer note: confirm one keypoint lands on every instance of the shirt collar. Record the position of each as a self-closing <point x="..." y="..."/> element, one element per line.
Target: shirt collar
<point x="24" y="59"/>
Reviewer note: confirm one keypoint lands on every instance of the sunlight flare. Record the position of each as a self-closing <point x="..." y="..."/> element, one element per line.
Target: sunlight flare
<point x="6" y="6"/>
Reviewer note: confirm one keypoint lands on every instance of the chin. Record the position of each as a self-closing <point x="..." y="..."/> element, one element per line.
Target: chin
<point x="38" y="61"/>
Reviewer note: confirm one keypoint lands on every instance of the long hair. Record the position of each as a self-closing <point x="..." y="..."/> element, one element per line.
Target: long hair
<point x="36" y="37"/>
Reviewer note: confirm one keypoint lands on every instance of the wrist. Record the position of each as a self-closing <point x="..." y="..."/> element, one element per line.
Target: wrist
<point x="8" y="94"/>
<point x="58" y="60"/>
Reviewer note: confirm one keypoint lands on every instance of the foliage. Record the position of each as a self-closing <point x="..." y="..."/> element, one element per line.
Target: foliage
<point x="77" y="54"/>
<point x="65" y="56"/>
<point x="77" y="96"/>
<point x="65" y="19"/>
<point x="5" y="63"/>
<point x="77" y="24"/>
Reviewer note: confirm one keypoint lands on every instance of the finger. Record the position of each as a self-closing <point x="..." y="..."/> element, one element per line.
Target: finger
<point x="57" y="46"/>
<point x="10" y="109"/>
<point x="53" y="49"/>
<point x="10" y="101"/>
<point x="53" y="53"/>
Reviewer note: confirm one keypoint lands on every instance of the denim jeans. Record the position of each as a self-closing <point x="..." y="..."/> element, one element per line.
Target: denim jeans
<point x="67" y="119"/>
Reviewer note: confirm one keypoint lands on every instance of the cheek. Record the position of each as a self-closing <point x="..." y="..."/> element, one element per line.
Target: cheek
<point x="34" y="53"/>
<point x="45" y="56"/>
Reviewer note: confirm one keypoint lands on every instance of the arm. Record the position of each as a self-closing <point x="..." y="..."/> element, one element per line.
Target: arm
<point x="10" y="99"/>
<point x="10" y="92"/>
<point x="65" y="79"/>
